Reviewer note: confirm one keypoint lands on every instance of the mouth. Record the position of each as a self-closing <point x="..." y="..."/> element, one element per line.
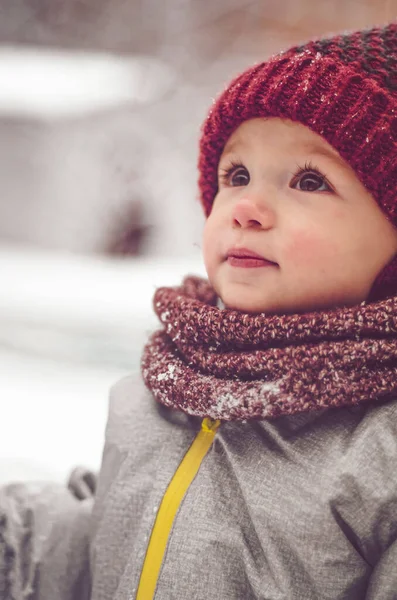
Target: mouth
<point x="243" y="257"/>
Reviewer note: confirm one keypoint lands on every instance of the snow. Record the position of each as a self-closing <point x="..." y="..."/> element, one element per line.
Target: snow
<point x="50" y="83"/>
<point x="53" y="416"/>
<point x="271" y="386"/>
<point x="170" y="374"/>
<point x="70" y="327"/>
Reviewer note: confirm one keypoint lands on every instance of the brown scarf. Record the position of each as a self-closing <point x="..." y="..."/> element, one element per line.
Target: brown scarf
<point x="231" y="365"/>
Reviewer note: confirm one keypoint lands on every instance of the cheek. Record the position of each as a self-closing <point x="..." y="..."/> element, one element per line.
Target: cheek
<point x="310" y="249"/>
<point x="209" y="244"/>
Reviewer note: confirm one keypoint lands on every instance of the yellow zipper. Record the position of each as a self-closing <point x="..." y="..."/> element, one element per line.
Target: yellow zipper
<point x="170" y="503"/>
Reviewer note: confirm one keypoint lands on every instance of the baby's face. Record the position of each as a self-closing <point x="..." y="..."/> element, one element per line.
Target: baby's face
<point x="286" y="195"/>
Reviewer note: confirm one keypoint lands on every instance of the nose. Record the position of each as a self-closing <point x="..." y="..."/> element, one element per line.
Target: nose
<point x="250" y="212"/>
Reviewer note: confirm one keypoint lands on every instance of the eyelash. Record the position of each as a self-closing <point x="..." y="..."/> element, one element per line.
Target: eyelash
<point x="226" y="173"/>
<point x="308" y="167"/>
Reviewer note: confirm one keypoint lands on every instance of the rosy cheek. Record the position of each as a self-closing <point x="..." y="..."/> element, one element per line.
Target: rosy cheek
<point x="209" y="245"/>
<point x="309" y="248"/>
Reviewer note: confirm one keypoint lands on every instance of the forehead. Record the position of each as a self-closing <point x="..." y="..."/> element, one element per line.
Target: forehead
<point x="279" y="135"/>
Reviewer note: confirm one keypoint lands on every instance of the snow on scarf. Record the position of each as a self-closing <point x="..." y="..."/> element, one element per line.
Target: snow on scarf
<point x="230" y="365"/>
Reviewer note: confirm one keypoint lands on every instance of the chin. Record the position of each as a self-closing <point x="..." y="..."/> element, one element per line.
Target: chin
<point x="247" y="304"/>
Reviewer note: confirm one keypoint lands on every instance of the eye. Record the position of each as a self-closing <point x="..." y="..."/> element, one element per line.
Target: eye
<point x="310" y="179"/>
<point x="235" y="176"/>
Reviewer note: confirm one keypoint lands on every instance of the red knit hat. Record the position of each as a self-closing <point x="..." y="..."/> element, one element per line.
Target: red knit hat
<point x="345" y="89"/>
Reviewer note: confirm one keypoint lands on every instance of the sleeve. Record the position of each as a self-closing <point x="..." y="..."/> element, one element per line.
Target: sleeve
<point x="44" y="543"/>
<point x="383" y="582"/>
<point x="82" y="483"/>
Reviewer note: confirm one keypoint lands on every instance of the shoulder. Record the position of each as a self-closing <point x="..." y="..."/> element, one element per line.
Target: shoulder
<point x="127" y="397"/>
<point x="133" y="412"/>
<point x="374" y="437"/>
<point x="366" y="490"/>
<point x="371" y="449"/>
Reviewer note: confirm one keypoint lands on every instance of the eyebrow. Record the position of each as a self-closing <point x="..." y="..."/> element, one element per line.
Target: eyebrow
<point x="309" y="147"/>
<point x="315" y="149"/>
<point x="230" y="148"/>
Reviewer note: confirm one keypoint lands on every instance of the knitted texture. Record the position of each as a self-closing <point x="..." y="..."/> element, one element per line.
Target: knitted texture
<point x="343" y="88"/>
<point x="230" y="365"/>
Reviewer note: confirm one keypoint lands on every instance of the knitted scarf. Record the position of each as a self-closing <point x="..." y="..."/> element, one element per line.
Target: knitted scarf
<point x="230" y="365"/>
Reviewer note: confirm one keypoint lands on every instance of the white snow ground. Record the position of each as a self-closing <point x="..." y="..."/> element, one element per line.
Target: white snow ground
<point x="70" y="326"/>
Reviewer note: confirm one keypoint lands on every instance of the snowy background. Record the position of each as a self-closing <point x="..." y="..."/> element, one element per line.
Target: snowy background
<point x="101" y="103"/>
<point x="70" y="327"/>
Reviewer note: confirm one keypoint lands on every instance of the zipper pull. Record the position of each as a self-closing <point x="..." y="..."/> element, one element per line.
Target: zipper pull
<point x="210" y="425"/>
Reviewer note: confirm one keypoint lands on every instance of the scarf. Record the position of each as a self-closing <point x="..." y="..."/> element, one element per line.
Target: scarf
<point x="230" y="365"/>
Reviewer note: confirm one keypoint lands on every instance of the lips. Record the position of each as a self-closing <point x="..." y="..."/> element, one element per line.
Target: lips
<point x="243" y="257"/>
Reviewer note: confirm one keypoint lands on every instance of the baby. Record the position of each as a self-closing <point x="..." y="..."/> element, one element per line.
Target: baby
<point x="257" y="458"/>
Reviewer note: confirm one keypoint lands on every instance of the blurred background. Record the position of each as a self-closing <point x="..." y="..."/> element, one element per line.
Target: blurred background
<point x="101" y="103"/>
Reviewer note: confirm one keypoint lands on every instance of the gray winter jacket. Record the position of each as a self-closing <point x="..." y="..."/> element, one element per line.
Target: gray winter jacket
<point x="302" y="507"/>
